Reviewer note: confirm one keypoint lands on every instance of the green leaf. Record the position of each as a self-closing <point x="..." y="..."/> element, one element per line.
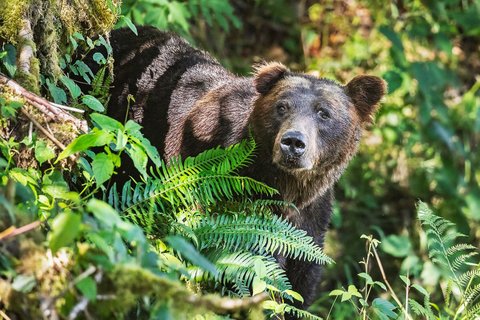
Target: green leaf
<point x="43" y="152"/>
<point x="104" y="213"/>
<point x="394" y="80"/>
<point x="65" y="228"/>
<point x="10" y="60"/>
<point x="139" y="158"/>
<point x="295" y="295"/>
<point x="178" y="14"/>
<point x="72" y="87"/>
<point x="122" y="140"/>
<point x="78" y="36"/>
<point x="88" y="287"/>
<point x="9" y="109"/>
<point x="405" y="280"/>
<point x="258" y="286"/>
<point x="367" y="277"/>
<point x="102" y="167"/>
<point x="152" y="152"/>
<point x="93" y="103"/>
<point x="105" y="122"/>
<point x="188" y="251"/>
<point x="99" y="58"/>
<point x="95" y="138"/>
<point x="381" y="285"/>
<point x="84" y="71"/>
<point x="397" y="246"/>
<point x="336" y="292"/>
<point x="421" y="289"/>
<point x="354" y="291"/>
<point x="54" y="185"/>
<point x="260" y="268"/>
<point x="58" y="94"/>
<point x="129" y="24"/>
<point x="384" y="309"/>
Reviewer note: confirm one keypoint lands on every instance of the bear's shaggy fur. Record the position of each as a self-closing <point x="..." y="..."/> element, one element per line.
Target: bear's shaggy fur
<point x="307" y="129"/>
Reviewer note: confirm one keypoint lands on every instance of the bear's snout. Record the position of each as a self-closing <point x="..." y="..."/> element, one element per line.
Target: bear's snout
<point x="292" y="151"/>
<point x="293" y="144"/>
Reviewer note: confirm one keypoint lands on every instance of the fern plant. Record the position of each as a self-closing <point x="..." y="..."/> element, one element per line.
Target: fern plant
<point x="456" y="259"/>
<point x="204" y="199"/>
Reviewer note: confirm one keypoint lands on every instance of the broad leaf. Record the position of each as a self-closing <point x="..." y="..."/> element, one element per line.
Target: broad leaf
<point x="65" y="228"/>
<point x="102" y="167"/>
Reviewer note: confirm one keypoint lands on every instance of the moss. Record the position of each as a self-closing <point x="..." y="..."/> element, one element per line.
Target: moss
<point x="52" y="22"/>
<point x="28" y="80"/>
<point x="11" y="17"/>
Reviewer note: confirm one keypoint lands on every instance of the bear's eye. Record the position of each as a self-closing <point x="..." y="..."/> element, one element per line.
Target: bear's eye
<point x="324" y="114"/>
<point x="282" y="108"/>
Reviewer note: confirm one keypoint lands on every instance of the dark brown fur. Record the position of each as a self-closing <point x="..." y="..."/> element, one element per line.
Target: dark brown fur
<point x="187" y="102"/>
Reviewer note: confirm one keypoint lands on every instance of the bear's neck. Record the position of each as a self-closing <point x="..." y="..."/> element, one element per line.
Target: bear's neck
<point x="299" y="188"/>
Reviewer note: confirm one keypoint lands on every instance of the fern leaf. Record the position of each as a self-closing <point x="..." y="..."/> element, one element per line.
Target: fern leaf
<point x="203" y="179"/>
<point x="302" y="314"/>
<point x="238" y="269"/>
<point x="271" y="235"/>
<point x="472" y="312"/>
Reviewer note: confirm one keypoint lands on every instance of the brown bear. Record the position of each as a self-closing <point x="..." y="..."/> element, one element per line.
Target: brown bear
<point x="306" y="128"/>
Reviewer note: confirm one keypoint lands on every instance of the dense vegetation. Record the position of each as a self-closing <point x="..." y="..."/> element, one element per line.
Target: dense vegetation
<point x="192" y="238"/>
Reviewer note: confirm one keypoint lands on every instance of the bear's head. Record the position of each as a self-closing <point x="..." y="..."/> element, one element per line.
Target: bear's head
<point x="310" y="127"/>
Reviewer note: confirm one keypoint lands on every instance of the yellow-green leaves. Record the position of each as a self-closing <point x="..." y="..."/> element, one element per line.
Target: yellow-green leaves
<point x="65" y="228"/>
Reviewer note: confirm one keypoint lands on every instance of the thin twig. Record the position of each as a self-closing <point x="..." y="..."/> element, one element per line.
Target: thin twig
<point x="384" y="277"/>
<point x="44" y="131"/>
<point x="67" y="108"/>
<point x="407" y="291"/>
<point x="4" y="315"/>
<point x="13" y="231"/>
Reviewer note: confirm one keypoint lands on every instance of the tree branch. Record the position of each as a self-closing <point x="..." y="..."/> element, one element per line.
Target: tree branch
<point x="44" y="106"/>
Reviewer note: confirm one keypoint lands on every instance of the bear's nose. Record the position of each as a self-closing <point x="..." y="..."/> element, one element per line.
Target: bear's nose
<point x="293" y="143"/>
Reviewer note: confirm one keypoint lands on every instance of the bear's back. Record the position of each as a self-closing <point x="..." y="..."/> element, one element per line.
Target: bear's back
<point x="166" y="76"/>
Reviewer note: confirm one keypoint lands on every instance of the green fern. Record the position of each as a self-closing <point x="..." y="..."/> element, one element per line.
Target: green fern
<point x="441" y="236"/>
<point x="299" y="313"/>
<point x="261" y="234"/>
<point x="201" y="180"/>
<point x="422" y="310"/>
<point x="238" y="269"/>
<point x="456" y="260"/>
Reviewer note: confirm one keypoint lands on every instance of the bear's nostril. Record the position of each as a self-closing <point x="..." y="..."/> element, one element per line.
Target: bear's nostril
<point x="293" y="144"/>
<point x="287" y="141"/>
<point x="300" y="144"/>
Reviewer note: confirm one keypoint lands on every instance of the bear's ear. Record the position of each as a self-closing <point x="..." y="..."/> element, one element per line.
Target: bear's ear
<point x="366" y="92"/>
<point x="267" y="74"/>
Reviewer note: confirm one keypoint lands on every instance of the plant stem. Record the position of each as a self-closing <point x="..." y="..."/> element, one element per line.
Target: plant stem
<point x="382" y="271"/>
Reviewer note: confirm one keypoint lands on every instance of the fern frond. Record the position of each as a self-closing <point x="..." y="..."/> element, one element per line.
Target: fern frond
<point x="302" y="314"/>
<point x="459" y="248"/>
<point x="472" y="312"/>
<point x="271" y="235"/>
<point x="439" y="236"/>
<point x="203" y="179"/>
<point x="472" y="294"/>
<point x="462" y="260"/>
<point x="238" y="269"/>
<point x="420" y="310"/>
<point x="467" y="277"/>
<point x="219" y="160"/>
